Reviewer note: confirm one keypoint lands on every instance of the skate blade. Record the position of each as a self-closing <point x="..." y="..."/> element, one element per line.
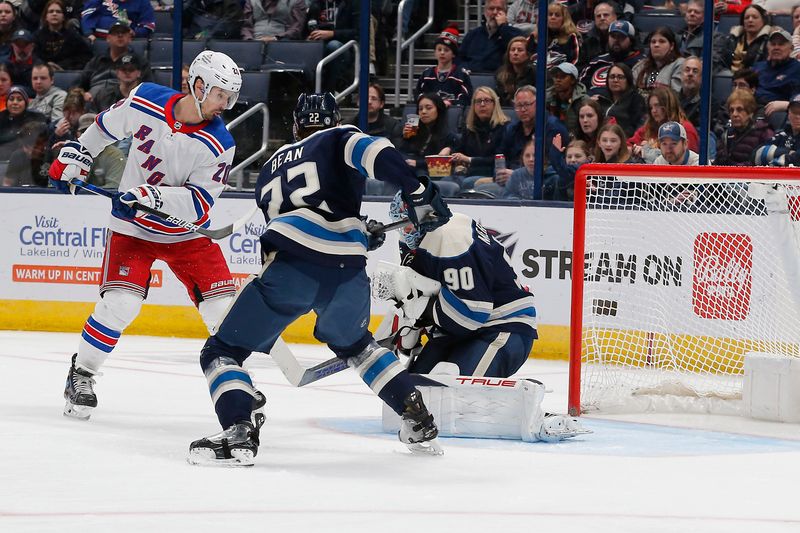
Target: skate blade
<point x="78" y="412"/>
<point x="206" y="457"/>
<point x="431" y="447"/>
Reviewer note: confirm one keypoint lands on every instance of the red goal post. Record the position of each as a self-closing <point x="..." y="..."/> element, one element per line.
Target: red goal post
<point x="631" y="335"/>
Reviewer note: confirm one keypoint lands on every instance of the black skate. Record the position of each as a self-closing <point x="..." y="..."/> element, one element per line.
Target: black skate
<point x="79" y="393"/>
<point x="236" y="446"/>
<point x="417" y="429"/>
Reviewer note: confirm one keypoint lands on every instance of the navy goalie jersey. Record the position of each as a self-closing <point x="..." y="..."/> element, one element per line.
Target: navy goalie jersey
<point x="479" y="287"/>
<point x="310" y="193"/>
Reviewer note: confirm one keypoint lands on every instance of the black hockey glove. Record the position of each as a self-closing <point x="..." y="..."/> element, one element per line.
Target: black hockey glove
<point x="375" y="235"/>
<point x="427" y="210"/>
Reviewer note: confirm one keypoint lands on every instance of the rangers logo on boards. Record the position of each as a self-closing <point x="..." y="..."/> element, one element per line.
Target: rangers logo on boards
<point x="723" y="276"/>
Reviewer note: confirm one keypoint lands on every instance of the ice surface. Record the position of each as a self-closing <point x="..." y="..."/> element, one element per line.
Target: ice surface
<point x="324" y="465"/>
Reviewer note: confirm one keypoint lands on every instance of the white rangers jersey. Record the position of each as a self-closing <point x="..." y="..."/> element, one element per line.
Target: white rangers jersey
<point x="188" y="162"/>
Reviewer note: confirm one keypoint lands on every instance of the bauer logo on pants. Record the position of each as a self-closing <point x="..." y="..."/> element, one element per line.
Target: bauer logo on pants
<point x="723" y="277"/>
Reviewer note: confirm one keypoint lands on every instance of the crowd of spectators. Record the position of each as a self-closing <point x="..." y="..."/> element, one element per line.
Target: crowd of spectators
<point x="611" y="88"/>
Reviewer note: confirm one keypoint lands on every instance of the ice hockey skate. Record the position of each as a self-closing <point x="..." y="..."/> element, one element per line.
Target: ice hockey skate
<point x="556" y="428"/>
<point x="79" y="392"/>
<point x="236" y="446"/>
<point x="417" y="429"/>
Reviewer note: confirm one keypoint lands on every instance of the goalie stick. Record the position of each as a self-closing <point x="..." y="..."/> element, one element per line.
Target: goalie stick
<point x="215" y="234"/>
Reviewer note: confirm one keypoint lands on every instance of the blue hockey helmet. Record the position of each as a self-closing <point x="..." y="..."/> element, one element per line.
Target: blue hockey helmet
<point x="315" y="111"/>
<point x="398" y="210"/>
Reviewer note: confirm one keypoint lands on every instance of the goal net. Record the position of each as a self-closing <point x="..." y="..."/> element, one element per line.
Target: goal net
<point x="686" y="270"/>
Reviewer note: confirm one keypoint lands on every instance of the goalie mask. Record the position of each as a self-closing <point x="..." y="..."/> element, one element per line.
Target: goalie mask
<point x="314" y="112"/>
<point x="398" y="211"/>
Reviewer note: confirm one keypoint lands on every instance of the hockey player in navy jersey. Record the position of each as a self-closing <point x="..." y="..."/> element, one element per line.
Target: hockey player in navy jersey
<point x="314" y="251"/>
<point x="461" y="287"/>
<point x="179" y="161"/>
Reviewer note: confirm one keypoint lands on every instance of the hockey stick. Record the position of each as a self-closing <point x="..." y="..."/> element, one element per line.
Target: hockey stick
<point x="215" y="234"/>
<point x="295" y="373"/>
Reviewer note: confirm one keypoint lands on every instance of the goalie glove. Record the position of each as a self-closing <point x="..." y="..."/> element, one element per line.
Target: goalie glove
<point x="124" y="204"/>
<point x="74" y="161"/>
<point x="427" y="209"/>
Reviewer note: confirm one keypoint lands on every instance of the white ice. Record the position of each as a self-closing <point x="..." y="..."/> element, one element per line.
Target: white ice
<point x="324" y="465"/>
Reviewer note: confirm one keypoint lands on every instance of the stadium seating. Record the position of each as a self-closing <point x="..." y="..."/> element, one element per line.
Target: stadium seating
<point x="722" y="85"/>
<point x="646" y="22"/>
<point x="163" y="24"/>
<point x="139" y="46"/>
<point x="726" y="22"/>
<point x="255" y="87"/>
<point x="163" y="76"/>
<point x="249" y="55"/>
<point x="65" y="79"/>
<point x="161" y="51"/>
<point x="480" y="79"/>
<point x="294" y="56"/>
<point x="777" y="120"/>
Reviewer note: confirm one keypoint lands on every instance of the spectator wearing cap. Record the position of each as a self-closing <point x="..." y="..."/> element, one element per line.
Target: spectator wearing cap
<point x="483" y="47"/>
<point x="108" y="165"/>
<point x="98" y="16"/>
<point x="565" y="94"/>
<point x="100" y="71"/>
<point x="8" y="25"/>
<point x="516" y="71"/>
<point x="622" y="48"/>
<point x="272" y="20"/>
<point x="562" y="36"/>
<point x="27" y="165"/>
<point x="674" y="146"/>
<point x="59" y="43"/>
<point x="446" y="79"/>
<point x="747" y="43"/>
<point x="779" y="75"/>
<point x="691" y="38"/>
<point x="15" y="116"/>
<point x="744" y="134"/>
<point x="783" y="149"/>
<point x="595" y="41"/>
<point x="129" y="74"/>
<point x="49" y="99"/>
<point x="20" y="64"/>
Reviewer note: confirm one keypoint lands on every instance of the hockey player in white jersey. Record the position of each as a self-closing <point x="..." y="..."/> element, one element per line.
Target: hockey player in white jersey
<point x="179" y="162"/>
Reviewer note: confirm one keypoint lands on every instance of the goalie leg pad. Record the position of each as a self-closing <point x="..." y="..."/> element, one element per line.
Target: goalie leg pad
<point x="112" y="314"/>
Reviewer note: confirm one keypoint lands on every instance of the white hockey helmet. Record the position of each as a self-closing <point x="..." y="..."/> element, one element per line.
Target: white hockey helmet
<point x="216" y="70"/>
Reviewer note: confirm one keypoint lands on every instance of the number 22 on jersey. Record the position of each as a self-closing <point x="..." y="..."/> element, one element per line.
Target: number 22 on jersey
<point x="299" y="196"/>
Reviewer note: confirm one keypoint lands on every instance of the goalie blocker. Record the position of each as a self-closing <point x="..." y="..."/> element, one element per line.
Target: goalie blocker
<point x="481" y="407"/>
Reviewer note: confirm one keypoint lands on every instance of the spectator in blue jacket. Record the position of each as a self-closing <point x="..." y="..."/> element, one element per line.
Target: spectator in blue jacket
<point x="98" y="16"/>
<point x="483" y="48"/>
<point x="779" y="75"/>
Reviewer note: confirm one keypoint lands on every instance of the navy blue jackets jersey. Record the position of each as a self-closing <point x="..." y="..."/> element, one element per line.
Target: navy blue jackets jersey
<point x="310" y="193"/>
<point x="479" y="287"/>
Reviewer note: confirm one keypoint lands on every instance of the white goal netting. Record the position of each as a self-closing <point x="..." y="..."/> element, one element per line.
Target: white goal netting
<point x="684" y="275"/>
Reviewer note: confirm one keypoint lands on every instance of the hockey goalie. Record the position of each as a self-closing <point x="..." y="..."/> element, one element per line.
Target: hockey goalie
<point x="456" y="287"/>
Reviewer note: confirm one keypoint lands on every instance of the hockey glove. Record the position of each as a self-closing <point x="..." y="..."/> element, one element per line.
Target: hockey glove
<point x="124" y="205"/>
<point x="74" y="161"/>
<point x="427" y="209"/>
<point x="375" y="235"/>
